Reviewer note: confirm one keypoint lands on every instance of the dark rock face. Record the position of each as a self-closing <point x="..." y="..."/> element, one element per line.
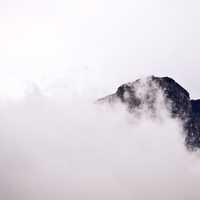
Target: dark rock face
<point x="144" y="92"/>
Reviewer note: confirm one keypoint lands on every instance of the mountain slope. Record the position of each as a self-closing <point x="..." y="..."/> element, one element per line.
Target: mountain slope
<point x="144" y="93"/>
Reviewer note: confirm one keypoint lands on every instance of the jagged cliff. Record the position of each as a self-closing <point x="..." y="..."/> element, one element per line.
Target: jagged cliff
<point x="144" y="92"/>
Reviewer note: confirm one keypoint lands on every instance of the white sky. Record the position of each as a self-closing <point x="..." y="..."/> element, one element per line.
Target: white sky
<point x="97" y="42"/>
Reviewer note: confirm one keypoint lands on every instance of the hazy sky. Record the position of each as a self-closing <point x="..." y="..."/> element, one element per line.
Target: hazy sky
<point x="97" y="42"/>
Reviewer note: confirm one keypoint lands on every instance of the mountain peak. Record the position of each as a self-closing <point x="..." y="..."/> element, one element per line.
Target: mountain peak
<point x="144" y="92"/>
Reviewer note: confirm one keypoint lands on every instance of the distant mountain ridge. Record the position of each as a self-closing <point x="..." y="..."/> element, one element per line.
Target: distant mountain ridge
<point x="143" y="92"/>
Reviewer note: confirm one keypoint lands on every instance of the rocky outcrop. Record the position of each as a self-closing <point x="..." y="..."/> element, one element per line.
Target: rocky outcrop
<point x="144" y="93"/>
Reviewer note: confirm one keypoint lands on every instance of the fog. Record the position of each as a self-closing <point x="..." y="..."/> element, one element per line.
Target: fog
<point x="59" y="147"/>
<point x="56" y="58"/>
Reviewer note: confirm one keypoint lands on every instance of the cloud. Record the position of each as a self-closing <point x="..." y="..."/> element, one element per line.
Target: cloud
<point x="55" y="147"/>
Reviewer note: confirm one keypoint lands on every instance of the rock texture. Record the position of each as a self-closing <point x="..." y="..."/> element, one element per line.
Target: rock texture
<point x="144" y="93"/>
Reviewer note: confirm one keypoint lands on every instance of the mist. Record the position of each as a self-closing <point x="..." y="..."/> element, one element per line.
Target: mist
<point x="58" y="147"/>
<point x="56" y="59"/>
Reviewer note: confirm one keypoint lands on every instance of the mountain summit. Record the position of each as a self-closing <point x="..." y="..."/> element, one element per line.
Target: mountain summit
<point x="144" y="93"/>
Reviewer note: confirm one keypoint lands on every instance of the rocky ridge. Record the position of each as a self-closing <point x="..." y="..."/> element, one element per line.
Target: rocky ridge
<point x="144" y="93"/>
